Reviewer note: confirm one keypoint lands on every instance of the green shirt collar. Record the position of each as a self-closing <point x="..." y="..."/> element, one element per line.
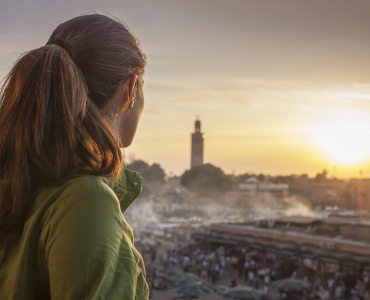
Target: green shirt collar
<point x="127" y="189"/>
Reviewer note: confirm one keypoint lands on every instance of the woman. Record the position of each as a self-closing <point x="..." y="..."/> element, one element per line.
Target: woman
<point x="66" y="110"/>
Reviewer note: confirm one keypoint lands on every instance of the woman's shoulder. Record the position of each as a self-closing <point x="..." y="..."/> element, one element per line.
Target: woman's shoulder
<point x="88" y="195"/>
<point x="84" y="184"/>
<point x="85" y="239"/>
<point x="85" y="205"/>
<point x="83" y="193"/>
<point x="126" y="189"/>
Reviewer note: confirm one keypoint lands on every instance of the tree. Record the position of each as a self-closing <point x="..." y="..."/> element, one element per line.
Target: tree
<point x="155" y="173"/>
<point x="321" y="176"/>
<point x="139" y="166"/>
<point x="206" y="180"/>
<point x="243" y="177"/>
<point x="151" y="174"/>
<point x="284" y="179"/>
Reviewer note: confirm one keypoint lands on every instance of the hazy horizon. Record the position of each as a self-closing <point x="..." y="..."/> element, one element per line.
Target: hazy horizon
<point x="281" y="87"/>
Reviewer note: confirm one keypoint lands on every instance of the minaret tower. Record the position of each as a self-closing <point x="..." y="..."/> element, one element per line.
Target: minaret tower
<point x="196" y="146"/>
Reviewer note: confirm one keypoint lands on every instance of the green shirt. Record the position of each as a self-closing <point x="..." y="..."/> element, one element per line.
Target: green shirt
<point x="76" y="244"/>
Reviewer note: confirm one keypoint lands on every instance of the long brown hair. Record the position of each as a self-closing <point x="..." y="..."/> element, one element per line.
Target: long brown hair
<point x="51" y="112"/>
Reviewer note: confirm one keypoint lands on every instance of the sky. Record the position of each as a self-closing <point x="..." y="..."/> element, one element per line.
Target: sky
<point x="281" y="86"/>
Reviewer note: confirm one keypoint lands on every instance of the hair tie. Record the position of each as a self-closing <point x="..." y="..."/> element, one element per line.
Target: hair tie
<point x="65" y="45"/>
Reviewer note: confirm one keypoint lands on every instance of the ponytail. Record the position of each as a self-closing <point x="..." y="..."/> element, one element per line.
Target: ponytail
<point x="50" y="130"/>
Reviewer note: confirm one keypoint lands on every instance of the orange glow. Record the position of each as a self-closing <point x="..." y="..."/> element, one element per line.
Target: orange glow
<point x="345" y="142"/>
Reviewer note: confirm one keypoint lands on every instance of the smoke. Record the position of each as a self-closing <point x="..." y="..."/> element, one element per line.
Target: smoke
<point x="297" y="206"/>
<point x="147" y="214"/>
<point x="142" y="214"/>
<point x="270" y="206"/>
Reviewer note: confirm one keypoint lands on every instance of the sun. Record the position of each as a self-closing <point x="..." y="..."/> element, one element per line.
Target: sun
<point x="346" y="142"/>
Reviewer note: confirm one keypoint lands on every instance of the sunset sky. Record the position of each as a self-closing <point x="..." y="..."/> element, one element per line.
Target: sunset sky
<point x="281" y="86"/>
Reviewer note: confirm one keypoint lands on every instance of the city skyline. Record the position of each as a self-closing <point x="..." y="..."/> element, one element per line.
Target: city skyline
<point x="281" y="87"/>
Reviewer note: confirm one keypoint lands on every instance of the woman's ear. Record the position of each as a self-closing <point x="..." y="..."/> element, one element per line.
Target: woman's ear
<point x="127" y="120"/>
<point x="130" y="90"/>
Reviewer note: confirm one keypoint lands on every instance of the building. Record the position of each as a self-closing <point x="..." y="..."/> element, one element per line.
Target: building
<point x="252" y="190"/>
<point x="359" y="194"/>
<point x="253" y="184"/>
<point x="324" y="192"/>
<point x="336" y="240"/>
<point x="250" y="184"/>
<point x="327" y="192"/>
<point x="197" y="146"/>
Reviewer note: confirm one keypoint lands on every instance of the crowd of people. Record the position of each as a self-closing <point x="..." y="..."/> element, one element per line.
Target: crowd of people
<point x="226" y="266"/>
